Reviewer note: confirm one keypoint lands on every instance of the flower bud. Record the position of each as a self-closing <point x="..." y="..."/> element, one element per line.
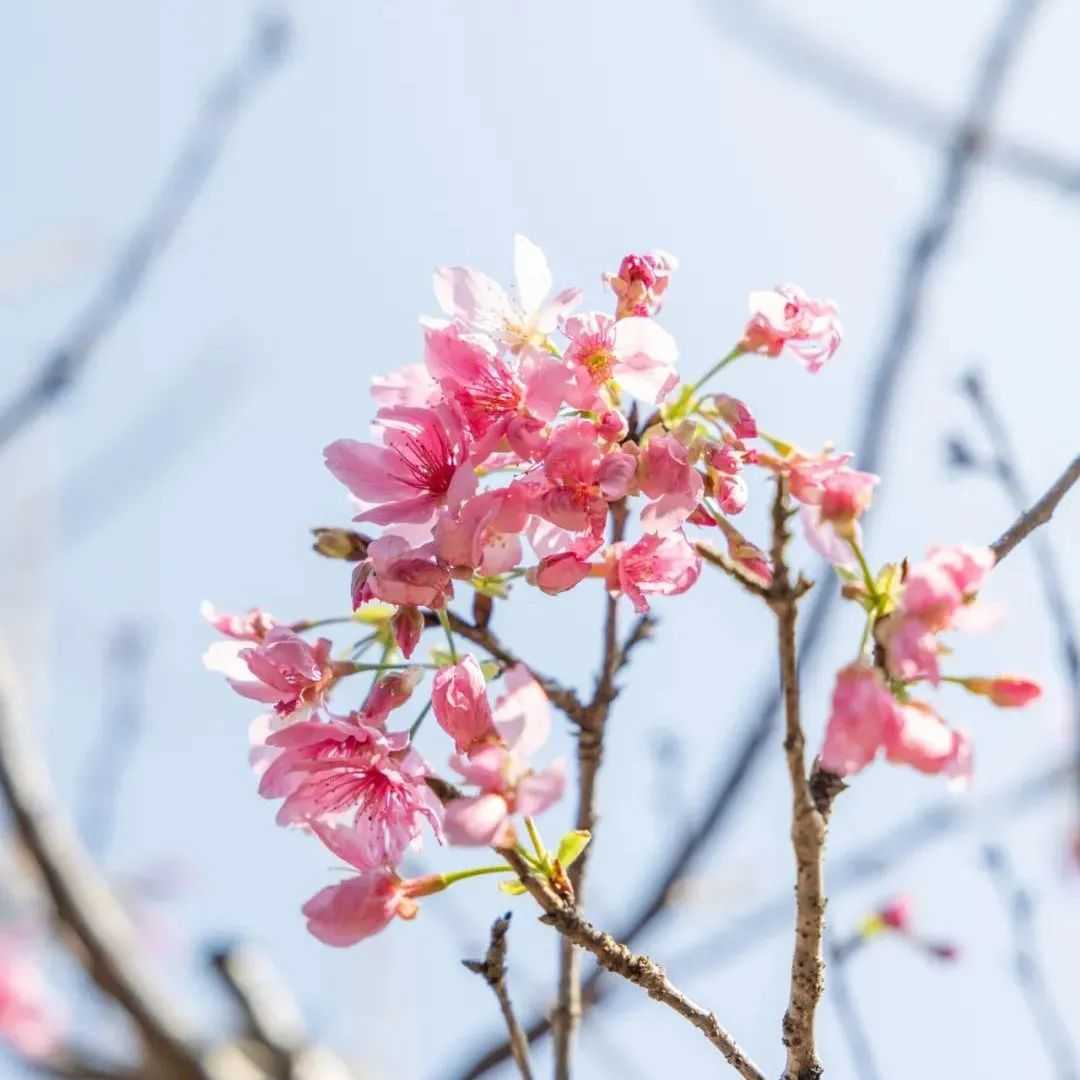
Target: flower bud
<point x="407" y="625"/>
<point x="389" y="693"/>
<point x="558" y="573"/>
<point x="736" y="415"/>
<point x="340" y="544"/>
<point x="459" y="700"/>
<point x="1006" y="691"/>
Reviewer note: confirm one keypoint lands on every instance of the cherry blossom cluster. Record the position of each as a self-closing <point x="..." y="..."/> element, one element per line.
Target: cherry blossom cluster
<point x="539" y="445"/>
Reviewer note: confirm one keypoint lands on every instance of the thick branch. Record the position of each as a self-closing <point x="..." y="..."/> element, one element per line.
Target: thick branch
<point x="633" y="967"/>
<point x="82" y="901"/>
<point x="493" y="969"/>
<point x="152" y="236"/>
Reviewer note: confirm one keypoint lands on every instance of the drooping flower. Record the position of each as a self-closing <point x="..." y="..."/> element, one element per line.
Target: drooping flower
<point x="636" y="354"/>
<point x="786" y="318"/>
<point x="459" y="701"/>
<point x="480" y="305"/>
<point x="422" y="465"/>
<point x="641" y="282"/>
<point x="362" y="791"/>
<point x="289" y="673"/>
<point x="862" y="710"/>
<point x="343" y="914"/>
<point x="656" y="565"/>
<point x="482" y="535"/>
<point x="397" y="573"/>
<point x="253" y="625"/>
<point x="556" y="574"/>
<point x="507" y="784"/>
<point x="918" y="737"/>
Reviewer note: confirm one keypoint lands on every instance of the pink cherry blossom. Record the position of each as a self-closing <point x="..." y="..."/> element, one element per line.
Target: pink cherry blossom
<point x="253" y="625"/>
<point x="641" y="281"/>
<point x="482" y="534"/>
<point x="506" y="782"/>
<point x="289" y="673"/>
<point x="655" y="566"/>
<point x="1006" y="691"/>
<point x="556" y="574"/>
<point x="362" y="792"/>
<point x="410" y="385"/>
<point x="635" y="353"/>
<point x="918" y="737"/>
<point x="422" y="465"/>
<point x="480" y="305"/>
<point x="398" y="573"/>
<point x="459" y="701"/>
<point x="845" y="497"/>
<point x="29" y="1022"/>
<point x="667" y="476"/>
<point x="862" y="710"/>
<point x="786" y="318"/>
<point x="736" y="415"/>
<point x="937" y="588"/>
<point x="343" y="914"/>
<point x="390" y="692"/>
<point x="911" y="648"/>
<point x="730" y="492"/>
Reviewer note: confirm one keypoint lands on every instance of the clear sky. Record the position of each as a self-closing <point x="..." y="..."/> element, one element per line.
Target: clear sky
<point x="187" y="462"/>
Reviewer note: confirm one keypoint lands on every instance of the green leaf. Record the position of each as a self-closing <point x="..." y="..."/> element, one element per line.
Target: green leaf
<point x="572" y="845"/>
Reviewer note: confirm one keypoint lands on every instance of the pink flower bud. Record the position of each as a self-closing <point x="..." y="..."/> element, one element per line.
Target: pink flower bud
<point x="736" y="415"/>
<point x="389" y="693"/>
<point x="407" y="626"/>
<point x="612" y="426"/>
<point x="731" y="493"/>
<point x="558" y="573"/>
<point x="1006" y="691"/>
<point x="459" y="700"/>
<point x="846" y="495"/>
<point x="896" y="914"/>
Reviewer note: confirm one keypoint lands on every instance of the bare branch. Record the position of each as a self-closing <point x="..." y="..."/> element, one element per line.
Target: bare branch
<point x="1039" y="514"/>
<point x="81" y="900"/>
<point x="1027" y="965"/>
<point x="493" y="969"/>
<point x="633" y="967"/>
<point x="721" y="561"/>
<point x="152" y="236"/>
<point x="798" y="54"/>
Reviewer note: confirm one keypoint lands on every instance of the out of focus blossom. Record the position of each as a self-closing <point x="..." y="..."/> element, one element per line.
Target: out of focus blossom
<point x="785" y="318"/>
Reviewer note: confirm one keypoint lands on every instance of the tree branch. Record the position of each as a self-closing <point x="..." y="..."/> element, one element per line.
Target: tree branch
<point x="633" y="967"/>
<point x="591" y="729"/>
<point x="82" y="901"/>
<point x="151" y="238"/>
<point x="1039" y="514"/>
<point x="493" y="969"/>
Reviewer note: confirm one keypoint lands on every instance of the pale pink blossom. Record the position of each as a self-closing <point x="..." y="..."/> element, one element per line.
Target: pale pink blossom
<point x="410" y="385"/>
<point x="654" y="566"/>
<point x="459" y="701"/>
<point x="29" y="1022"/>
<point x="845" y="497"/>
<point x="918" y="737"/>
<point x="641" y="282"/>
<point x="289" y="673"/>
<point x="807" y="474"/>
<point x="834" y="497"/>
<point x="862" y="710"/>
<point x="421" y="466"/>
<point x="667" y="476"/>
<point x="911" y="648"/>
<point x="637" y="354"/>
<point x="480" y="305"/>
<point x="253" y="625"/>
<point x="343" y="914"/>
<point x="361" y="791"/>
<point x="736" y="415"/>
<point x="507" y="784"/>
<point x="397" y="573"/>
<point x="730" y="492"/>
<point x="949" y="578"/>
<point x="556" y="574"/>
<point x="786" y="318"/>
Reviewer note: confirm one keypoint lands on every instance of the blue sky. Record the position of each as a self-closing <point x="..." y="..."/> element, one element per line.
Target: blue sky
<point x="187" y="463"/>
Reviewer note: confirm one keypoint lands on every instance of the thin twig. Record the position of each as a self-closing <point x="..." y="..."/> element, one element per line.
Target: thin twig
<point x="633" y="967"/>
<point x="722" y="562"/>
<point x="1027" y="965"/>
<point x="591" y="730"/>
<point x="1039" y="514"/>
<point x="797" y="53"/>
<point x="152" y="236"/>
<point x="932" y="234"/>
<point x="81" y="900"/>
<point x="125" y="675"/>
<point x="847" y="1012"/>
<point x="493" y="969"/>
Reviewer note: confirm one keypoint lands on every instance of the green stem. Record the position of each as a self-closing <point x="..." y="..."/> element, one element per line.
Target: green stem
<point x="867" y="630"/>
<point x="717" y="368"/>
<point x="868" y="578"/>
<point x="419" y="720"/>
<point x="445" y="620"/>
<point x="477" y="871"/>
<point x="538" y="844"/>
<point x="314" y="624"/>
